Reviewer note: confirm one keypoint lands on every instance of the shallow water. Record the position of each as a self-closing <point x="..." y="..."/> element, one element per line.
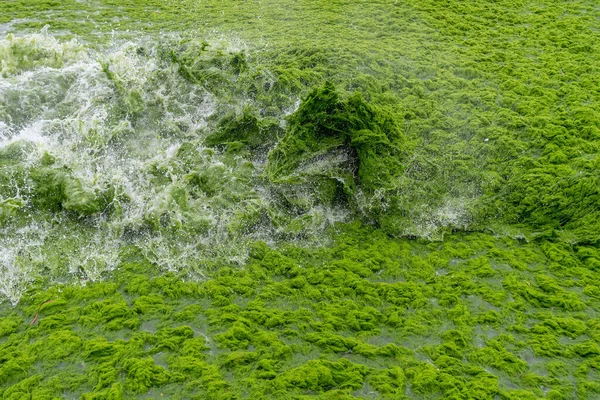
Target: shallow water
<point x="308" y="199"/>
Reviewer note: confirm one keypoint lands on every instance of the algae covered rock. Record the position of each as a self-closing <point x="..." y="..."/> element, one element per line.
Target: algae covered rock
<point x="342" y="149"/>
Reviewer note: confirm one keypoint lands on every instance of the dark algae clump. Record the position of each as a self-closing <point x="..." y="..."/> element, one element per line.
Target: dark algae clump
<point x="283" y="199"/>
<point x="349" y="150"/>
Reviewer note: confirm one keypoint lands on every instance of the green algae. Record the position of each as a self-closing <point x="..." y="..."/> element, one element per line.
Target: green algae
<point x="51" y="187"/>
<point x="285" y="326"/>
<point x="471" y="116"/>
<point x="19" y="54"/>
<point x="362" y="141"/>
<point x="245" y="130"/>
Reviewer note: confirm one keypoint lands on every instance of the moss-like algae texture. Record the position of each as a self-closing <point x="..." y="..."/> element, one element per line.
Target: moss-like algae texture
<point x="462" y="138"/>
<point x="475" y="316"/>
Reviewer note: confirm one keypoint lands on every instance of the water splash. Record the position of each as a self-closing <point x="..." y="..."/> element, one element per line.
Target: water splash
<point x="121" y="130"/>
<point x="106" y="148"/>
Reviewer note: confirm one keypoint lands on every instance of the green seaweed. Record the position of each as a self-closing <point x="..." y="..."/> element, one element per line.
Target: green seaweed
<point x="246" y="129"/>
<point x="340" y="147"/>
<point x="285" y="325"/>
<point x="474" y="124"/>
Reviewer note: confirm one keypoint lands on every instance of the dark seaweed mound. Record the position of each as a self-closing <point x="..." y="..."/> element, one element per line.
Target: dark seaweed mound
<point x="344" y="148"/>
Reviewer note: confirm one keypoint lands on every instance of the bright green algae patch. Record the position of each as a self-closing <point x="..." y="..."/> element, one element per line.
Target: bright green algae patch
<point x="475" y="316"/>
<point x="438" y="118"/>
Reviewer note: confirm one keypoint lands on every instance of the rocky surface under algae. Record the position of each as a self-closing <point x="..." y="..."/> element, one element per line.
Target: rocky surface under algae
<point x="299" y="199"/>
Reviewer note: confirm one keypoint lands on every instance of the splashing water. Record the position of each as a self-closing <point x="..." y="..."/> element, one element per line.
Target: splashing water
<point x="165" y="146"/>
<point x="105" y="149"/>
